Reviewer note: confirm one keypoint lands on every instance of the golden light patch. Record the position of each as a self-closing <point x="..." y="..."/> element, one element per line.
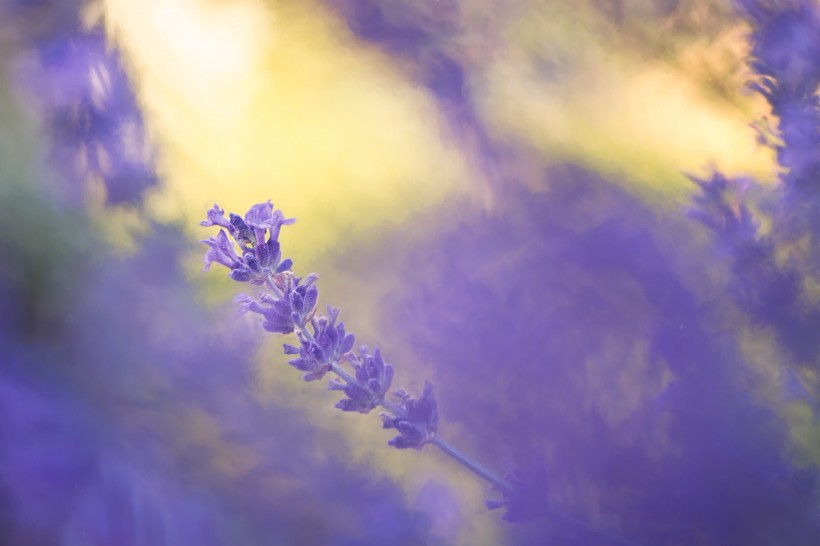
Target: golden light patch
<point x="561" y="89"/>
<point x="249" y="103"/>
<point x="804" y="431"/>
<point x="762" y="354"/>
<point x="778" y="383"/>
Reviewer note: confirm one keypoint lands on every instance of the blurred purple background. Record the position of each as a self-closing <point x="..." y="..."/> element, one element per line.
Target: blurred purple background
<point x="648" y="372"/>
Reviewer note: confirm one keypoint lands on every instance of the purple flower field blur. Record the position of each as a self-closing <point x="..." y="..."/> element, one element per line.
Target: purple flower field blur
<point x="578" y="241"/>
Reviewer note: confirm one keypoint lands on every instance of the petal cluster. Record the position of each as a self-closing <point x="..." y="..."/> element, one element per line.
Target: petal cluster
<point x="327" y="345"/>
<point x="291" y="305"/>
<point x="256" y="235"/>
<point x="419" y="423"/>
<point x="373" y="379"/>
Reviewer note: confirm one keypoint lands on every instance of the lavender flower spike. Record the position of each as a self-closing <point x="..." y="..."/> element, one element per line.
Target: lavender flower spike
<point x="287" y="304"/>
<point x="419" y="423"/>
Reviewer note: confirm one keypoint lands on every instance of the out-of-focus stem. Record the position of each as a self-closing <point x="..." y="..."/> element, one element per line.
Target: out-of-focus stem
<point x="448" y="448"/>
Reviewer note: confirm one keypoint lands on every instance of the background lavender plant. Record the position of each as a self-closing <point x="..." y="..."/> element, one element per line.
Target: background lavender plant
<point x="96" y="132"/>
<point x="786" y="70"/>
<point x="697" y="451"/>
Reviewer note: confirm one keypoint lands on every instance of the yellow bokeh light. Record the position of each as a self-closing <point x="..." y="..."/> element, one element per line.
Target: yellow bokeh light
<point x="249" y="103"/>
<point x="575" y="95"/>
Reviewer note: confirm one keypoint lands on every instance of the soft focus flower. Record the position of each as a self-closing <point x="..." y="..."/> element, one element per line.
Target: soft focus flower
<point x="373" y="378"/>
<point x="419" y="424"/>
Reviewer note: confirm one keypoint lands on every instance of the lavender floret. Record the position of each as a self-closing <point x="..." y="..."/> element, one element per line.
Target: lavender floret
<point x="419" y="424"/>
<point x="373" y="379"/>
<point x="216" y="217"/>
<point x="222" y="251"/>
<point x="326" y="346"/>
<point x="259" y="264"/>
<point x="242" y="232"/>
<point x="289" y="308"/>
<point x="261" y="256"/>
<point x="262" y="216"/>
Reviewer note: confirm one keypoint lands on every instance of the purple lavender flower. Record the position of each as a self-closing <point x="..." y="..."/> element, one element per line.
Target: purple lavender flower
<point x="261" y="259"/>
<point x="242" y="232"/>
<point x="419" y="424"/>
<point x="262" y="217"/>
<point x="289" y="307"/>
<point x="373" y="379"/>
<point x="222" y="251"/>
<point x="260" y="263"/>
<point x="216" y="217"/>
<point x="326" y="346"/>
